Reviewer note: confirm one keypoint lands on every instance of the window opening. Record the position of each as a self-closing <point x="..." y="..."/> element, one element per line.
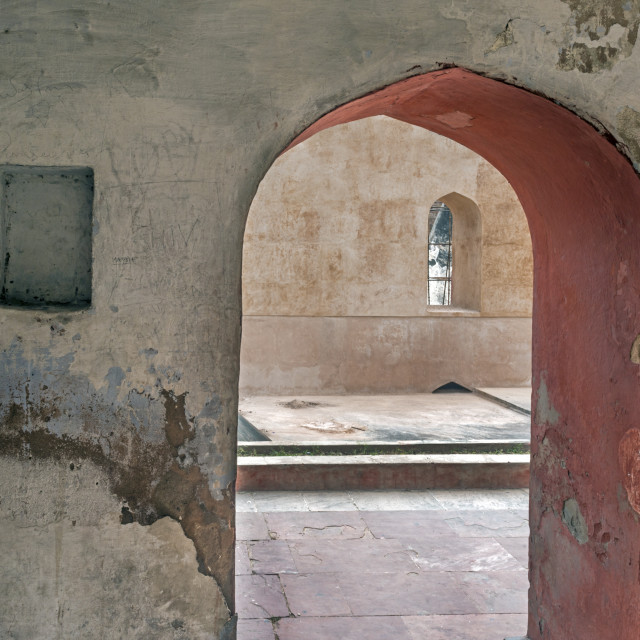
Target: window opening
<point x="440" y="254"/>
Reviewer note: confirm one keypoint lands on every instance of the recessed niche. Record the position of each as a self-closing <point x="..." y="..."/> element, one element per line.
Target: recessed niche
<point x="45" y="236"/>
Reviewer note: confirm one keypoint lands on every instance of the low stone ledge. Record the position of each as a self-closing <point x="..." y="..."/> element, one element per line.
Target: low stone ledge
<point x="411" y="446"/>
<point x="322" y="473"/>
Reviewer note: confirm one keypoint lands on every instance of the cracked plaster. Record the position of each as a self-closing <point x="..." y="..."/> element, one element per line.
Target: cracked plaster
<point x="70" y="554"/>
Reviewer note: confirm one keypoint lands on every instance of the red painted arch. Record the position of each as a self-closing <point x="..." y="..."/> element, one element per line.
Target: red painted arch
<point x="582" y="199"/>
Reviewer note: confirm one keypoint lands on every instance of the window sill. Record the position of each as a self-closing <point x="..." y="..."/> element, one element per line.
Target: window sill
<point x="442" y="310"/>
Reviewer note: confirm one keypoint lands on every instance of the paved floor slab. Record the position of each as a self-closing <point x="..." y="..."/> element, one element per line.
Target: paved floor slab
<point x="317" y="594"/>
<point x="344" y="628"/>
<point x="271" y="557"/>
<point x="496" y="523"/>
<point x="300" y="525"/>
<point x="243" y="563"/>
<point x="260" y="596"/>
<point x="358" y="557"/>
<point x="255" y="629"/>
<point x="439" y="553"/>
<point x="251" y="525"/>
<point x="424" y="570"/>
<point x="518" y="548"/>
<point x="472" y="627"/>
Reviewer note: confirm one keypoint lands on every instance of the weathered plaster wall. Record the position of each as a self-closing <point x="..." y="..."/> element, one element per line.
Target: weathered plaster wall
<point x="339" y="225"/>
<point x="142" y="384"/>
<point x="381" y="355"/>
<point x="180" y="108"/>
<point x="72" y="565"/>
<point x="338" y="231"/>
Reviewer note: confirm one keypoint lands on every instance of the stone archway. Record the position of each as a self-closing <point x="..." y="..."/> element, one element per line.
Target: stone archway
<point x="578" y="193"/>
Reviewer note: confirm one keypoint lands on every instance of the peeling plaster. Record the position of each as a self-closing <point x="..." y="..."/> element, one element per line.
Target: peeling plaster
<point x="60" y="520"/>
<point x="573" y="518"/>
<point x="628" y="123"/>
<point x="142" y="582"/>
<point x="587" y="59"/>
<point x="601" y="32"/>
<point x="456" y="119"/>
<point x="635" y="351"/>
<point x="629" y="459"/>
<point x="47" y="412"/>
<point x="504" y="38"/>
<point x="545" y="411"/>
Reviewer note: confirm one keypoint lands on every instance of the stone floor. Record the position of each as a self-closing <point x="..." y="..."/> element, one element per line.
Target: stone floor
<point x="450" y="417"/>
<point x="376" y="565"/>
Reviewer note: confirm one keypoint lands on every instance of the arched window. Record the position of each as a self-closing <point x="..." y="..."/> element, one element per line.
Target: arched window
<point x="455" y="253"/>
<point x="440" y="253"/>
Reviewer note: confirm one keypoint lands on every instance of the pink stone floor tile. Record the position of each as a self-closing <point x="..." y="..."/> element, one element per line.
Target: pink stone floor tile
<point x="497" y="523"/>
<point x="357" y="557"/>
<point x="347" y="628"/>
<point x="373" y="575"/>
<point x="271" y="556"/>
<point x="406" y="525"/>
<point x="315" y="595"/>
<point x="243" y="565"/>
<point x="518" y="548"/>
<point x="255" y="630"/>
<point x="466" y="627"/>
<point x="317" y="524"/>
<point x="251" y="526"/>
<point x="260" y="597"/>
<point x="463" y="554"/>
<point x="405" y="594"/>
<point x="497" y="591"/>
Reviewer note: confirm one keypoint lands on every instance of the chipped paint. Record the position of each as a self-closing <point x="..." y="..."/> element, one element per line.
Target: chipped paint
<point x="629" y="459"/>
<point x="455" y="119"/>
<point x="635" y="351"/>
<point x="602" y="32"/>
<point x="628" y="123"/>
<point x="545" y="411"/>
<point x="153" y="476"/>
<point x="574" y="520"/>
<point x="503" y="39"/>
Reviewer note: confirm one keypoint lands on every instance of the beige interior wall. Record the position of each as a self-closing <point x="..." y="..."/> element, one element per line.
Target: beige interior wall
<point x="338" y="230"/>
<point x="289" y="355"/>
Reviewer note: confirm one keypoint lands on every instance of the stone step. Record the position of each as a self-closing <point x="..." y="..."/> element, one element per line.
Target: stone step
<point x="423" y="471"/>
<point x="340" y="447"/>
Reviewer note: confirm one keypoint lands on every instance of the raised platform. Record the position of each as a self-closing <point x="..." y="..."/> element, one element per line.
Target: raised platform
<point x="420" y="417"/>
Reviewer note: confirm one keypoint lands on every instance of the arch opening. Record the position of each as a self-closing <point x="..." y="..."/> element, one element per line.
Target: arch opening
<point x="580" y="201"/>
<point x="336" y="269"/>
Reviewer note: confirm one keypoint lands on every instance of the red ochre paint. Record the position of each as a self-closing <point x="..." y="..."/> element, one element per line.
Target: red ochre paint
<point x="582" y="201"/>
